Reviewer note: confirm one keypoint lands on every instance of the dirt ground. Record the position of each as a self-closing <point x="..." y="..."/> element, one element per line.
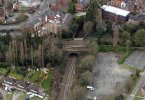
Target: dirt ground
<point x="108" y="75"/>
<point x="136" y="59"/>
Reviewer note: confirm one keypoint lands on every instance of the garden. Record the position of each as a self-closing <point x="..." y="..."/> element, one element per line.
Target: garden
<point x="39" y="77"/>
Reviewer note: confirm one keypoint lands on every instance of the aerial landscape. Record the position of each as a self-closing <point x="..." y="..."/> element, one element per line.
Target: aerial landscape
<point x="72" y="49"/>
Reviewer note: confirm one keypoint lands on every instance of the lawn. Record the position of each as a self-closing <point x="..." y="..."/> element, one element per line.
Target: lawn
<point x="138" y="95"/>
<point x="46" y="84"/>
<point x="9" y="96"/>
<point x="3" y="71"/>
<point x="35" y="76"/>
<point x="16" y="75"/>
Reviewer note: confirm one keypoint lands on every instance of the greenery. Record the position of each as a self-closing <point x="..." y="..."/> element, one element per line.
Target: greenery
<point x="86" y="78"/>
<point x="15" y="75"/>
<point x="123" y="57"/>
<point x="78" y="93"/>
<point x="107" y="48"/>
<point x="140" y="37"/>
<point x="46" y="84"/>
<point x="91" y="11"/>
<point x="93" y="47"/>
<point x="35" y="76"/>
<point x="88" y="28"/>
<point x="87" y="63"/>
<point x="71" y="8"/>
<point x="3" y="71"/>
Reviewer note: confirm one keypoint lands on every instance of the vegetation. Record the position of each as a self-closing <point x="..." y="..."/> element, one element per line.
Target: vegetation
<point x="78" y="93"/>
<point x="71" y="8"/>
<point x="87" y="63"/>
<point x="86" y="78"/>
<point x="46" y="84"/>
<point x="88" y="28"/>
<point x="140" y="37"/>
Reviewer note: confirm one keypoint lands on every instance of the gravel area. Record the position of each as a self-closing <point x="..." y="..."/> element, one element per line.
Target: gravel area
<point x="136" y="59"/>
<point x="108" y="75"/>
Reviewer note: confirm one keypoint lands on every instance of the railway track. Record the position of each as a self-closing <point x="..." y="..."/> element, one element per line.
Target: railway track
<point x="67" y="79"/>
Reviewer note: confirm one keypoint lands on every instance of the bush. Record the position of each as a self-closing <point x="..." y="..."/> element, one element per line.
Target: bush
<point x="87" y="63"/>
<point x="86" y="78"/>
<point x="107" y="48"/>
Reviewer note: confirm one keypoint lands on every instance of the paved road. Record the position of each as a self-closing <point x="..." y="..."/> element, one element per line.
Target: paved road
<point x="137" y="87"/>
<point x="3" y="94"/>
<point x="67" y="80"/>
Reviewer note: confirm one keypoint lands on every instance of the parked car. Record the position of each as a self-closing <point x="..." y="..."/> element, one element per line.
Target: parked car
<point x="90" y="88"/>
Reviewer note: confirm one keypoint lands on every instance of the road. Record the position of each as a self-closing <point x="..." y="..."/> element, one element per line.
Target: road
<point x="3" y="94"/>
<point x="67" y="80"/>
<point x="137" y="87"/>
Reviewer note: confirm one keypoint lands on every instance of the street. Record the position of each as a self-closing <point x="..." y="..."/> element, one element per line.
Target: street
<point x="137" y="87"/>
<point x="67" y="79"/>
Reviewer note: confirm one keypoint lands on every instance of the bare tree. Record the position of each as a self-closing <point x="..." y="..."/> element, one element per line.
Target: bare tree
<point x="116" y="36"/>
<point x="88" y="28"/>
<point x="32" y="56"/>
<point x="25" y="49"/>
<point x="22" y="53"/>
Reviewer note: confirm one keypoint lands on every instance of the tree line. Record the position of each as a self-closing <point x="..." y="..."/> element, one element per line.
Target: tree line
<point x="30" y="50"/>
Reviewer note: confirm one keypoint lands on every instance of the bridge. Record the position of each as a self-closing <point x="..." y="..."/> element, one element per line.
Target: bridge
<point x="75" y="47"/>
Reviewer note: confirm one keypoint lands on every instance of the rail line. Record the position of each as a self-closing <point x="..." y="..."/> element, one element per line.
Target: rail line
<point x="67" y="79"/>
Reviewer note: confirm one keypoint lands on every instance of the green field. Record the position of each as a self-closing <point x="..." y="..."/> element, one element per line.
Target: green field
<point x="3" y="71"/>
<point x="16" y="75"/>
<point x="46" y="84"/>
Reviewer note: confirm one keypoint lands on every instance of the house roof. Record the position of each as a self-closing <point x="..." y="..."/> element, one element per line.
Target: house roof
<point x="115" y="10"/>
<point x="9" y="80"/>
<point x="33" y="88"/>
<point x="22" y="85"/>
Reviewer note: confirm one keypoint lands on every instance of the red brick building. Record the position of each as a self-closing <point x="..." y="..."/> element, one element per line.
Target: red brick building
<point x="110" y="12"/>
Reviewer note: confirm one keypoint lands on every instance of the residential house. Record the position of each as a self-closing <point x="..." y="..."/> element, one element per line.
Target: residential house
<point x="10" y="83"/>
<point x="22" y="86"/>
<point x="49" y="22"/>
<point x="54" y="6"/>
<point x="15" y="6"/>
<point x="81" y="5"/>
<point x="36" y="91"/>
